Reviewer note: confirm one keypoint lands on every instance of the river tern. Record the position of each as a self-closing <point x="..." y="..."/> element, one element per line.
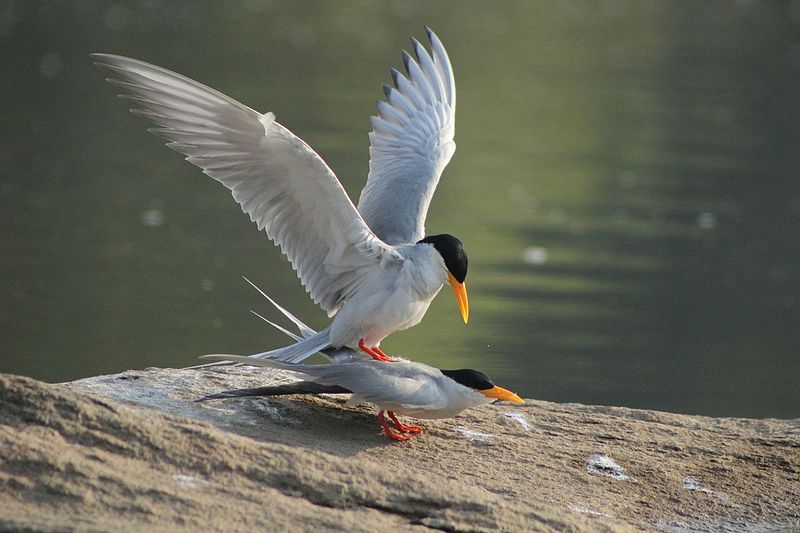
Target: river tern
<point x="371" y="268"/>
<point x="404" y="387"/>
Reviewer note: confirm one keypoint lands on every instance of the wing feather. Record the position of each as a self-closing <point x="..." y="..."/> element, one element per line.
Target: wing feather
<point x="276" y="178"/>
<point x="410" y="384"/>
<point x="410" y="144"/>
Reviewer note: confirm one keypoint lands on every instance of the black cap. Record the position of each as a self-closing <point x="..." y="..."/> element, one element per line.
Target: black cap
<point x="470" y="378"/>
<point x="453" y="253"/>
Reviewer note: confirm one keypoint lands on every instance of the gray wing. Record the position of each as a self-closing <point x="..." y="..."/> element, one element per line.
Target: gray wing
<point x="276" y="178"/>
<point x="411" y="143"/>
<point x="408" y="383"/>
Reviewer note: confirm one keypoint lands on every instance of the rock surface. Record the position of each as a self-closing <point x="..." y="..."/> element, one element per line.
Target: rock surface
<point x="132" y="451"/>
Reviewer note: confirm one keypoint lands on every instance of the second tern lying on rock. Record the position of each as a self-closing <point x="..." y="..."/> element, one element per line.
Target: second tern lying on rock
<point x="404" y="387"/>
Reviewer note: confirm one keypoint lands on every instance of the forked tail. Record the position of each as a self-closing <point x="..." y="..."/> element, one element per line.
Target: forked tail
<point x="299" y="351"/>
<point x="309" y="343"/>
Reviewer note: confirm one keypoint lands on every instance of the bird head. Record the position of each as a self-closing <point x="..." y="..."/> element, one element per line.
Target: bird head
<point x="480" y="382"/>
<point x="455" y="262"/>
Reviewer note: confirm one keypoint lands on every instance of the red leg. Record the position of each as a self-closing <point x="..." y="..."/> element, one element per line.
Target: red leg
<point x="375" y="353"/>
<point x="403" y="427"/>
<point x="388" y="357"/>
<point x="388" y="430"/>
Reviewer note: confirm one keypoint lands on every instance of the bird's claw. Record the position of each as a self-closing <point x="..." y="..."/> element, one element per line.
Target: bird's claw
<point x="395" y="436"/>
<point x="387" y="430"/>
<point x="405" y="428"/>
<point x="384" y="358"/>
<point x="375" y="352"/>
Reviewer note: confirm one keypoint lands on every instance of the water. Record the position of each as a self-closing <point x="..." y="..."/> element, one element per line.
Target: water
<point x="626" y="183"/>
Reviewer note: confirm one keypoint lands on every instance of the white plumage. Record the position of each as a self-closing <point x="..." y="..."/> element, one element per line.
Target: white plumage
<point x="362" y="266"/>
<point x="411" y="143"/>
<point x="405" y="387"/>
<point x="277" y="179"/>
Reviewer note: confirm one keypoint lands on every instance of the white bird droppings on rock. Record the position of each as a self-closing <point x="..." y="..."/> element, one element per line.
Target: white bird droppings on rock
<point x="520" y="419"/>
<point x="584" y="510"/>
<point x="475" y="436"/>
<point x="187" y="482"/>
<point x="691" y="483"/>
<point x="275" y="414"/>
<point x="600" y="465"/>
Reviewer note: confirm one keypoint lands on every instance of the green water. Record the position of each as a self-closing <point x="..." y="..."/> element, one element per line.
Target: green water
<point x="626" y="183"/>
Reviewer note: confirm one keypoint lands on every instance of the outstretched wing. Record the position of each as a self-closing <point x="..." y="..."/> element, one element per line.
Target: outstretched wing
<point x="276" y="178"/>
<point x="411" y="143"/>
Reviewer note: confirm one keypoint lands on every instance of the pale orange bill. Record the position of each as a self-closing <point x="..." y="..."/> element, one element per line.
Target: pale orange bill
<point x="502" y="394"/>
<point x="460" y="290"/>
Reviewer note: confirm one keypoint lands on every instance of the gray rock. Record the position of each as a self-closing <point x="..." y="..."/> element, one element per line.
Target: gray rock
<point x="132" y="451"/>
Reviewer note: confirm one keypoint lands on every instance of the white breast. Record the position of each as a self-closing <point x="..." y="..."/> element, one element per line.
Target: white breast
<point x="392" y="301"/>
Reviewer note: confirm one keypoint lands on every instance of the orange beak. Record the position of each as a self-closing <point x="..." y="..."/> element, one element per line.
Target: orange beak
<point x="502" y="394"/>
<point x="460" y="290"/>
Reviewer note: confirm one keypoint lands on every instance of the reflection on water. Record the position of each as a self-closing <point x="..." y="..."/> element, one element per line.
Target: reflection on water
<point x="626" y="183"/>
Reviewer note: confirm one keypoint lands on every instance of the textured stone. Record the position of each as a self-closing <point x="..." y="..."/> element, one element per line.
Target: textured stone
<point x="132" y="451"/>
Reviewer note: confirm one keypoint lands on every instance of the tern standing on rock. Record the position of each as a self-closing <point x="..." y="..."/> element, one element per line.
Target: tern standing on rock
<point x="372" y="269"/>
